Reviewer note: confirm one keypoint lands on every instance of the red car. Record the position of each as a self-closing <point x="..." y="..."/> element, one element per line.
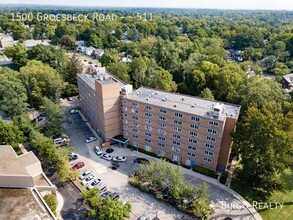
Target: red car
<point x="78" y="165"/>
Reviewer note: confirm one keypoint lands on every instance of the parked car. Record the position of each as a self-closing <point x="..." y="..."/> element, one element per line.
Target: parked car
<point x="143" y="217"/>
<point x="72" y="156"/>
<point x="58" y="140"/>
<point x="98" y="150"/>
<point x="78" y="165"/>
<point x="93" y="184"/>
<point x="105" y="194"/>
<point x="114" y="196"/>
<point x="43" y="114"/>
<point x="61" y="100"/>
<point x="106" y="157"/>
<point x="101" y="187"/>
<point x="88" y="179"/>
<point x="141" y="160"/>
<point x="119" y="159"/>
<point x="70" y="99"/>
<point x="74" y="111"/>
<point x="90" y="139"/>
<point x="84" y="174"/>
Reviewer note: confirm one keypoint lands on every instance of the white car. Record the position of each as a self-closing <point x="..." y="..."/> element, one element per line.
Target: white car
<point x="59" y="140"/>
<point x="84" y="174"/>
<point x="106" y="157"/>
<point x="88" y="179"/>
<point x="98" y="150"/>
<point x="119" y="159"/>
<point x="74" y="111"/>
<point x="93" y="183"/>
<point x="90" y="139"/>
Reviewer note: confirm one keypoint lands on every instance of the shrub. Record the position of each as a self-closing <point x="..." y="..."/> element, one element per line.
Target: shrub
<point x="134" y="182"/>
<point x="159" y="196"/>
<point x="144" y="188"/>
<point x="204" y="171"/>
<point x="51" y="201"/>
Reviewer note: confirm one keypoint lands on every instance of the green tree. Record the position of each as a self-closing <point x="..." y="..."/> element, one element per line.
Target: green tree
<point x="138" y="71"/>
<point x="259" y="90"/>
<point x="264" y="143"/>
<point x="19" y="57"/>
<point x="207" y="94"/>
<point x="121" y="70"/>
<point x="109" y="56"/>
<point x="68" y="41"/>
<point x="162" y="80"/>
<point x="95" y="41"/>
<point x="54" y="116"/>
<point x="10" y="134"/>
<point x="13" y="98"/>
<point x="42" y="80"/>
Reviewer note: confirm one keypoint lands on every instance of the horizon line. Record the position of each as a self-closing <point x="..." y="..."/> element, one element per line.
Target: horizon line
<point x="139" y="7"/>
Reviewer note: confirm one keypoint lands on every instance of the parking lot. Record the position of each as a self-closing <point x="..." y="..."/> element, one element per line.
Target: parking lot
<point x="142" y="203"/>
<point x="116" y="180"/>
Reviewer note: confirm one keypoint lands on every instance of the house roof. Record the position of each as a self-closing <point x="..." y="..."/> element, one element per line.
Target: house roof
<point x="288" y="78"/>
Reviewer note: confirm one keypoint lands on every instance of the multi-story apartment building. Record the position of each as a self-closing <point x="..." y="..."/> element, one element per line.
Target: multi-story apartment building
<point x="99" y="94"/>
<point x="186" y="129"/>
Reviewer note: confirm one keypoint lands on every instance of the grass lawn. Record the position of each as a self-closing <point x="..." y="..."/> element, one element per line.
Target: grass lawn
<point x="88" y="58"/>
<point x="286" y="197"/>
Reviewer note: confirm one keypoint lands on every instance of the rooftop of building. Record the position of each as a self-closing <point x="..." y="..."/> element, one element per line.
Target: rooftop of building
<point x="31" y="43"/>
<point x="184" y="103"/>
<point x="22" y="204"/>
<point x="92" y="73"/>
<point x="13" y="164"/>
<point x="289" y="78"/>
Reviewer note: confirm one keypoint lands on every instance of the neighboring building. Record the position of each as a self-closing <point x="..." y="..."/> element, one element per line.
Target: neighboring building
<point x="6" y="41"/>
<point x="31" y="43"/>
<point x="287" y="82"/>
<point x="186" y="129"/>
<point x="97" y="53"/>
<point x="235" y="55"/>
<point x="99" y="94"/>
<point x="21" y="182"/>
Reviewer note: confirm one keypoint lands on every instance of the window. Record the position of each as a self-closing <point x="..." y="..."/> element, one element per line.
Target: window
<point x="176" y="149"/>
<point x="179" y="115"/>
<point x="207" y="159"/>
<point x="149" y="128"/>
<point x="212" y="131"/>
<point x="135" y="124"/>
<point x="175" y="158"/>
<point x="135" y="136"/>
<point x="125" y="115"/>
<point x="134" y="110"/>
<point x="176" y="136"/>
<point x="148" y="134"/>
<point x="191" y="154"/>
<point x="161" y="153"/>
<point x="135" y="144"/>
<point x="209" y="138"/>
<point x="162" y="118"/>
<point x="163" y="132"/>
<point x="177" y="122"/>
<point x="125" y="109"/>
<point x="134" y="103"/>
<point x="161" y="144"/>
<point x="161" y="138"/>
<point x="214" y="123"/>
<point x="163" y="125"/>
<point x="148" y="148"/>
<point x="191" y="147"/>
<point x="208" y="153"/>
<point x="163" y="110"/>
<point x="176" y="142"/>
<point x="148" y="121"/>
<point x="194" y="118"/>
<point x="194" y="126"/>
<point x="192" y="140"/>
<point x="125" y="101"/>
<point x="211" y="146"/>
<point x="148" y="140"/>
<point x="134" y="130"/>
<point x="177" y="129"/>
<point x="148" y="114"/>
<point x="192" y="133"/>
<point x="148" y="107"/>
<point x="134" y="117"/>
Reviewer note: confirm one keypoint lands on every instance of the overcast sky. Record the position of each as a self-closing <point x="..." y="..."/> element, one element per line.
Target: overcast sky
<point x="220" y="4"/>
